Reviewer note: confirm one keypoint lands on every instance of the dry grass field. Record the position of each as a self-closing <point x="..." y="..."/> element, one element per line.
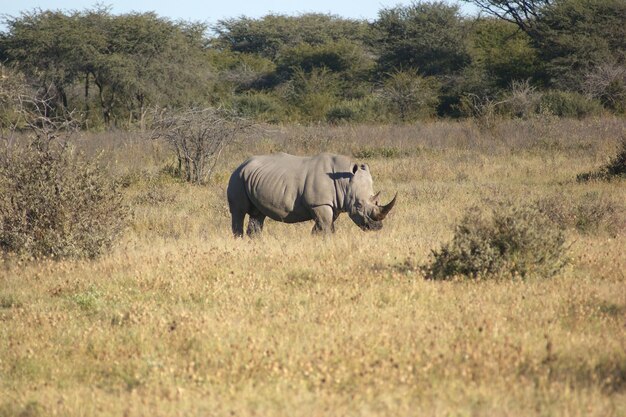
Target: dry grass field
<point x="180" y="319"/>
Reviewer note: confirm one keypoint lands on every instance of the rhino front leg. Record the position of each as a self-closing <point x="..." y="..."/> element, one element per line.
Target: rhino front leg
<point x="324" y="219"/>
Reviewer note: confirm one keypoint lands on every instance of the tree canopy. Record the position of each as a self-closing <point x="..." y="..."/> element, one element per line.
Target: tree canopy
<point x="112" y="68"/>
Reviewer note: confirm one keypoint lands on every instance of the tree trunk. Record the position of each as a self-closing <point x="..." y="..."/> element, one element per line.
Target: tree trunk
<point x="87" y="95"/>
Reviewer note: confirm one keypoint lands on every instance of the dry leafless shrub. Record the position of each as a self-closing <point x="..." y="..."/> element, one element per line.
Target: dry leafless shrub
<point x="522" y="101"/>
<point x="508" y="241"/>
<point x="607" y="83"/>
<point x="482" y="109"/>
<point x="198" y="137"/>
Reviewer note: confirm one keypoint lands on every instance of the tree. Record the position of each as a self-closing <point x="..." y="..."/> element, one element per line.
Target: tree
<point x="268" y="35"/>
<point x="346" y="60"/>
<point x="312" y="94"/>
<point x="505" y="53"/>
<point x="51" y="47"/>
<point x="429" y="37"/>
<point x="574" y="37"/>
<point x="522" y="13"/>
<point x="135" y="60"/>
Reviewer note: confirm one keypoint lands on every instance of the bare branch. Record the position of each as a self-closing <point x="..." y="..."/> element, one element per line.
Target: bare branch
<point x="198" y="137"/>
<point x="520" y="12"/>
<point x="33" y="111"/>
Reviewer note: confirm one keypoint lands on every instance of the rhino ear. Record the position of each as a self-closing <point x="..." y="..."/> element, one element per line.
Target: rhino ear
<point x="355" y="168"/>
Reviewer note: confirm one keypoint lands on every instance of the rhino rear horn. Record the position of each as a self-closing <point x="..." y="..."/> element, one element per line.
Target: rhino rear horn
<point x="384" y="210"/>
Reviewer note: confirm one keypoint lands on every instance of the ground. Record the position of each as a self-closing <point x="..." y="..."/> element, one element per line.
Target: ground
<point x="182" y="319"/>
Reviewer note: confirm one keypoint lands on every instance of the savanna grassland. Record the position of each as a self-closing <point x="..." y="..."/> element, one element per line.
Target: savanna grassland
<point x="180" y="319"/>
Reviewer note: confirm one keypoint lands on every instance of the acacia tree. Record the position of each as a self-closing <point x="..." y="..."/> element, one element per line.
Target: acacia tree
<point x="428" y="37"/>
<point x="270" y="34"/>
<point x="135" y="60"/>
<point x="503" y="52"/>
<point x="576" y="37"/>
<point x="149" y="61"/>
<point x="47" y="46"/>
<point x="523" y="13"/>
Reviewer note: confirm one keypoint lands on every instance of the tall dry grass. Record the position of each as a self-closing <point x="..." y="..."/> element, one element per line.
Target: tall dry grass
<point x="182" y="319"/>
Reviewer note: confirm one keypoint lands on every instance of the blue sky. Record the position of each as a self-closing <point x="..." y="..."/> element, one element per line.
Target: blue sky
<point x="211" y="11"/>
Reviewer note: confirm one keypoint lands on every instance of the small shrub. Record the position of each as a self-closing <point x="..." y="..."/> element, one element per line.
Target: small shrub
<point x="357" y="110"/>
<point x="593" y="213"/>
<point x="55" y="203"/>
<point x="9" y="301"/>
<point x="589" y="213"/>
<point x="87" y="300"/>
<point x="153" y="193"/>
<point x="607" y="83"/>
<point x="340" y="113"/>
<point x="521" y="101"/>
<point x="569" y="104"/>
<point x="379" y="152"/>
<point x="409" y="96"/>
<point x="614" y="169"/>
<point x="510" y="241"/>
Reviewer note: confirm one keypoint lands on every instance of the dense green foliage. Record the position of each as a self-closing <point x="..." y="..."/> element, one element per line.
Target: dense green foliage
<point x="414" y="61"/>
<point x="425" y="36"/>
<point x="133" y="60"/>
<point x="575" y="37"/>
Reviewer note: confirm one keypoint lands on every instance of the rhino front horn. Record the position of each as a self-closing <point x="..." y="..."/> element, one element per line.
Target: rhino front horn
<point x="384" y="210"/>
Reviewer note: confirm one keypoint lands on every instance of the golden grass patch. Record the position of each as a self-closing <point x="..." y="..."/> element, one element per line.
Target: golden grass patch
<point x="182" y="319"/>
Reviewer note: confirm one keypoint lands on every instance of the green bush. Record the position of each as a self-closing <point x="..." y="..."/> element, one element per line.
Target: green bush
<point x="56" y="203"/>
<point x="569" y="104"/>
<point x="387" y="152"/>
<point x="409" y="96"/>
<point x="260" y="106"/>
<point x="509" y="241"/>
<point x="341" y="113"/>
<point x="349" y="59"/>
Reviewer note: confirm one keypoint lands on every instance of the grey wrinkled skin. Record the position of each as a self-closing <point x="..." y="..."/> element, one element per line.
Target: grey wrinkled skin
<point x="294" y="189"/>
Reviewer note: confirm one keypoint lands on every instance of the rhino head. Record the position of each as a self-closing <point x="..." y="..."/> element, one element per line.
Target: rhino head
<point x="361" y="203"/>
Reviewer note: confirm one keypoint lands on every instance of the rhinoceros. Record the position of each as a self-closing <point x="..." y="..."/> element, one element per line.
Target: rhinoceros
<point x="294" y="189"/>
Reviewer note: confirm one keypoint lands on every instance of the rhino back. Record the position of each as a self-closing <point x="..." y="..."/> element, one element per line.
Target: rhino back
<point x="285" y="187"/>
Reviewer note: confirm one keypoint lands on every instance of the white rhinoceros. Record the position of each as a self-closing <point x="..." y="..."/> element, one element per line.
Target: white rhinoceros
<point x="294" y="189"/>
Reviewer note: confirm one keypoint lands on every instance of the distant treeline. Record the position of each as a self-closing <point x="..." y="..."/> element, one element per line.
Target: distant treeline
<point x="423" y="60"/>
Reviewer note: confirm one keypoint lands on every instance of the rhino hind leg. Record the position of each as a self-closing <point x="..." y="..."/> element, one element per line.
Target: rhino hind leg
<point x="238" y="202"/>
<point x="255" y="224"/>
<point x="237" y="223"/>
